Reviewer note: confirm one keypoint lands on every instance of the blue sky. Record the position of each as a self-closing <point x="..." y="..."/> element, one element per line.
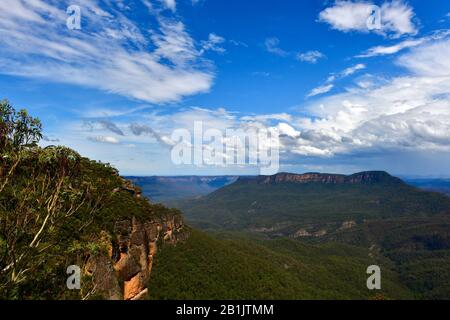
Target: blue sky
<point x="343" y="96"/>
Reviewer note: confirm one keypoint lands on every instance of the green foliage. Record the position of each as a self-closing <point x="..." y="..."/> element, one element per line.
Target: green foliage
<point x="54" y="205"/>
<point x="289" y="206"/>
<point x="236" y="267"/>
<point x="408" y="226"/>
<point x="17" y="128"/>
<point x="418" y="247"/>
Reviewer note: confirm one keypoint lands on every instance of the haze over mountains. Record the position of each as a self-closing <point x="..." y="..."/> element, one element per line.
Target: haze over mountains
<point x="166" y="189"/>
<point x="437" y="185"/>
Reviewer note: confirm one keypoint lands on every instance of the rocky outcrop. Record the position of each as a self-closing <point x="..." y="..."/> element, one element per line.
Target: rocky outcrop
<point x="301" y="233"/>
<point x="347" y="225"/>
<point x="124" y="272"/>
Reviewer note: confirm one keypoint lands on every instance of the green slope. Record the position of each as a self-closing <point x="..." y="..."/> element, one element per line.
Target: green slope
<point x="418" y="247"/>
<point x="287" y="206"/>
<point x="205" y="267"/>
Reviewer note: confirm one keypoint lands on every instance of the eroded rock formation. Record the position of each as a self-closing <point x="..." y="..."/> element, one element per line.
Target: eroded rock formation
<point x="124" y="272"/>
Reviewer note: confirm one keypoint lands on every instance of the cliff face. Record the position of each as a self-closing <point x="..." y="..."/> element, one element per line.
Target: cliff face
<point x="124" y="273"/>
<point x="357" y="178"/>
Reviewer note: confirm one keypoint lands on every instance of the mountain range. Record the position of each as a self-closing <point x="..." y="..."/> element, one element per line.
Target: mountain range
<point x="312" y="203"/>
<point x="404" y="229"/>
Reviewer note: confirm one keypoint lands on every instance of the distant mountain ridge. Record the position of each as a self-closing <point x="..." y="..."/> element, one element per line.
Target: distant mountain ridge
<point x="310" y="203"/>
<point x="326" y="178"/>
<point x="166" y="189"/>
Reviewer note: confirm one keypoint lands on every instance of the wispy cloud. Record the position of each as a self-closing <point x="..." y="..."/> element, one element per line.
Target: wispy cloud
<point x="320" y="90"/>
<point x="407" y="113"/>
<point x="138" y="130"/>
<point x="410" y="43"/>
<point x="35" y="43"/>
<point x="213" y="43"/>
<point x="351" y="70"/>
<point x="272" y="46"/>
<point x="334" y="77"/>
<point x="111" y="126"/>
<point x="169" y="4"/>
<point x="310" y="56"/>
<point x="104" y="139"/>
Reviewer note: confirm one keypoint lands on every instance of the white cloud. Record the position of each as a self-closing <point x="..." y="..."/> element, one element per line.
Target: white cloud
<point x="104" y="139"/>
<point x="333" y="77"/>
<point x="320" y="90"/>
<point x="36" y="44"/>
<point x="385" y="50"/>
<point x="310" y="56"/>
<point x="409" y="112"/>
<point x="410" y="43"/>
<point x="351" y="70"/>
<point x="213" y="43"/>
<point x="396" y="17"/>
<point x="268" y="117"/>
<point x="404" y="113"/>
<point x="169" y="4"/>
<point x="272" y="46"/>
<point x="432" y="60"/>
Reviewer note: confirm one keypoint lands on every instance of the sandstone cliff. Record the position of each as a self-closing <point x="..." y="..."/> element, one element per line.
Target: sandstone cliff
<point x="124" y="272"/>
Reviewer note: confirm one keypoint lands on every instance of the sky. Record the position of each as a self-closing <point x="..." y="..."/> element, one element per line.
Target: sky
<point x="348" y="86"/>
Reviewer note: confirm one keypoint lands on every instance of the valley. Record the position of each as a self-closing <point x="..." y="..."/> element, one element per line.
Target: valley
<point x="361" y="219"/>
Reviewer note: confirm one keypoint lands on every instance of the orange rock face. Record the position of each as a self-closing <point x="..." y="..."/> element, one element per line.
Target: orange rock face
<point x="131" y="256"/>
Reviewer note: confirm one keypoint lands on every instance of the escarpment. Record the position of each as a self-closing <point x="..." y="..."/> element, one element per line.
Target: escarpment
<point x="124" y="272"/>
<point x="367" y="177"/>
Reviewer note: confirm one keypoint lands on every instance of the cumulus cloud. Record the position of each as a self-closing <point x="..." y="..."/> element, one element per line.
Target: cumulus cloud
<point x="407" y="112"/>
<point x="404" y="113"/>
<point x="35" y="43"/>
<point x="396" y="17"/>
<point x="310" y="56"/>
